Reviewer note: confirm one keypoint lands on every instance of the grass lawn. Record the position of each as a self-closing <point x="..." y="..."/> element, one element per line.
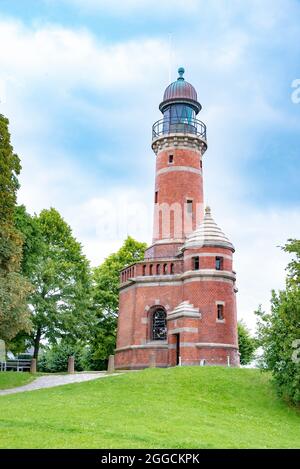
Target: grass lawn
<point x="184" y="407"/>
<point x="12" y="379"/>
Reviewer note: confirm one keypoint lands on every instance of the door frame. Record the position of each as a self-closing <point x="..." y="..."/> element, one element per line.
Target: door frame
<point x="177" y="348"/>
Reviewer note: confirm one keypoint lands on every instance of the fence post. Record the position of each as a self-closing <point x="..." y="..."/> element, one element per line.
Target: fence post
<point x="71" y="365"/>
<point x="33" y="365"/>
<point x="111" y="364"/>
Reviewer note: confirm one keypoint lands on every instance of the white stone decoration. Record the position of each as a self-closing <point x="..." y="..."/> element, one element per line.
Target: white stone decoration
<point x="207" y="234"/>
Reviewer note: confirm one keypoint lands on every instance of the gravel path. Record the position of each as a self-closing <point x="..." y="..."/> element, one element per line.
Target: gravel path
<point x="55" y="380"/>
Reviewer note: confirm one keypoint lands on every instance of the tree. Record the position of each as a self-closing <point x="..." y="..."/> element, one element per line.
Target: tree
<point x="14" y="288"/>
<point x="54" y="263"/>
<point x="33" y="242"/>
<point x="247" y="344"/>
<point x="279" y="331"/>
<point x="106" y="296"/>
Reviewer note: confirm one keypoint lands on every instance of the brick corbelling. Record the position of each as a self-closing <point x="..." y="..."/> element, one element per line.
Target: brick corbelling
<point x="179" y="140"/>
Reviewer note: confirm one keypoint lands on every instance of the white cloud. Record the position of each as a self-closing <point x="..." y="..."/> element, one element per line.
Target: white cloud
<point x="66" y="58"/>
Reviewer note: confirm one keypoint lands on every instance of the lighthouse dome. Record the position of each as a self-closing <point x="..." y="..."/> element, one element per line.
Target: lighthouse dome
<point x="180" y="91"/>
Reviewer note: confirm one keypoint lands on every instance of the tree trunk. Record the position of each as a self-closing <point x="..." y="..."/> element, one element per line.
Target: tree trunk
<point x="37" y="342"/>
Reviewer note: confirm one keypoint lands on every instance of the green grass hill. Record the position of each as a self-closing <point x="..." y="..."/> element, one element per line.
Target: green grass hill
<point x="186" y="407"/>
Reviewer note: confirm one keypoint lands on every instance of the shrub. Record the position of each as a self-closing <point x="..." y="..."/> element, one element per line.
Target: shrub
<point x="247" y="344"/>
<point x="55" y="359"/>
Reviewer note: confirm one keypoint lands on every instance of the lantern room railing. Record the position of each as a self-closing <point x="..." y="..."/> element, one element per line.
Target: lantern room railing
<point x="178" y="125"/>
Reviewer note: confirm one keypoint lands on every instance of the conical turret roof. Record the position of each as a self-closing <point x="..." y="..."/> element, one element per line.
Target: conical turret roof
<point x="208" y="234"/>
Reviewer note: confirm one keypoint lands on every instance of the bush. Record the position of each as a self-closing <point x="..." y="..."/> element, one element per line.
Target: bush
<point x="90" y="362"/>
<point x="247" y="344"/>
<point x="279" y="331"/>
<point x="55" y="359"/>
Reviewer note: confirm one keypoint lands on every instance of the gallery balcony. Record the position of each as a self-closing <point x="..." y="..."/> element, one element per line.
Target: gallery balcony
<point x="179" y="126"/>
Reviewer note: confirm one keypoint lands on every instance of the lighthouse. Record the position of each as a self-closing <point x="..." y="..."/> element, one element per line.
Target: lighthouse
<point x="178" y="305"/>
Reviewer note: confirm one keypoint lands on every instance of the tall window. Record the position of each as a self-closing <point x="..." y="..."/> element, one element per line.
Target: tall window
<point x="172" y="268"/>
<point x="158" y="269"/>
<point x="220" y="312"/>
<point x="156" y="197"/>
<point x="219" y="263"/>
<point x="196" y="263"/>
<point x="189" y="206"/>
<point x="171" y="159"/>
<point x="165" y="269"/>
<point x="150" y="269"/>
<point x="159" y="324"/>
<point x="144" y="269"/>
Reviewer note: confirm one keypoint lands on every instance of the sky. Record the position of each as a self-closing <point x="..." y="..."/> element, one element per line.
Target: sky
<point x="81" y="81"/>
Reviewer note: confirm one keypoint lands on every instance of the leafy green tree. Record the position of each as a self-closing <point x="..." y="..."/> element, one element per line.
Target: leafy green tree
<point x="279" y="331"/>
<point x="54" y="263"/>
<point x="14" y="288"/>
<point x="247" y="344"/>
<point x="33" y="242"/>
<point x="293" y="268"/>
<point x="106" y="297"/>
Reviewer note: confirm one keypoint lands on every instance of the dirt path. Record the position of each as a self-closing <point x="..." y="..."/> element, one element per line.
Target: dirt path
<point x="54" y="380"/>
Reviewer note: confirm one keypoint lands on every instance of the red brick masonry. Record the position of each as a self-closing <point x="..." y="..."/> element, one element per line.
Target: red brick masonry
<point x="197" y="296"/>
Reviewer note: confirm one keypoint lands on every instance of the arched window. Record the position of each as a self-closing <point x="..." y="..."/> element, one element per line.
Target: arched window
<point x="165" y="269"/>
<point x="158" y="269"/>
<point x="172" y="268"/>
<point x="144" y="269"/>
<point x="150" y="269"/>
<point x="159" y="324"/>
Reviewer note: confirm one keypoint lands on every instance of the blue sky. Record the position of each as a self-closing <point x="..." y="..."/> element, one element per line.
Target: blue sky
<point x="81" y="80"/>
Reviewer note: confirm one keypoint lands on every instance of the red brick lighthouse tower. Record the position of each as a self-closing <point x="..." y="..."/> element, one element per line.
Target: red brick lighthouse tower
<point x="178" y="306"/>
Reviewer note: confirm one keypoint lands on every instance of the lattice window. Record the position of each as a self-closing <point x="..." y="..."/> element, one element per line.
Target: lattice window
<point x="159" y="324"/>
